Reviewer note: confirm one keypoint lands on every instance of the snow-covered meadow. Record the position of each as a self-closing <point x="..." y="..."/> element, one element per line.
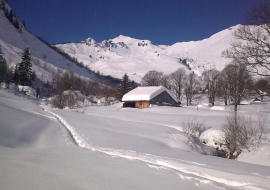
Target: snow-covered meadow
<point x="110" y="147"/>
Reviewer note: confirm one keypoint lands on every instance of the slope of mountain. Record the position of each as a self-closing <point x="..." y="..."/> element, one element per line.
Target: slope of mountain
<point x="206" y="53"/>
<point x="122" y="55"/>
<point x="44" y="59"/>
<point x="136" y="57"/>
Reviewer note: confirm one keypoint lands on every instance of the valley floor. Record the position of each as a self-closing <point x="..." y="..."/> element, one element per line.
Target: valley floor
<point x="118" y="148"/>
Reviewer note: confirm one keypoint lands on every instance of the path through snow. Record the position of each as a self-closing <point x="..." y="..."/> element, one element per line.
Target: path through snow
<point x="187" y="170"/>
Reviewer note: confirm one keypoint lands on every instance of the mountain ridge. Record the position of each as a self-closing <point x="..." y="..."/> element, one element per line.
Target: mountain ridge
<point x="124" y="54"/>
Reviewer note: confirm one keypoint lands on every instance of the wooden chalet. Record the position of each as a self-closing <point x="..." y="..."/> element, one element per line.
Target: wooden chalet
<point x="142" y="97"/>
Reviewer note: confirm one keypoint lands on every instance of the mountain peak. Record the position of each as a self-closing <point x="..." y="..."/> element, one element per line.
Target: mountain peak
<point x="89" y="41"/>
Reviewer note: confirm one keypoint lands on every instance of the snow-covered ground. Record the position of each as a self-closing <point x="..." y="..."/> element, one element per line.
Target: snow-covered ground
<point x="110" y="147"/>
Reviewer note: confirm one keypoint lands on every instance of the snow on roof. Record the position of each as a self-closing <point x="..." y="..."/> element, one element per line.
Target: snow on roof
<point x="146" y="93"/>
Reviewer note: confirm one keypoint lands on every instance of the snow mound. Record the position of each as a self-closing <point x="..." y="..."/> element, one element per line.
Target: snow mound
<point x="212" y="137"/>
<point x="218" y="108"/>
<point x="27" y="90"/>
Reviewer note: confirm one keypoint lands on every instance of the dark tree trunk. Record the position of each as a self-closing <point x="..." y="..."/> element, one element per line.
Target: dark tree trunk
<point x="235" y="107"/>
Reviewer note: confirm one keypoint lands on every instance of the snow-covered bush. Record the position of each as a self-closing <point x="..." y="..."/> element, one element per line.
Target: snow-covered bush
<point x="214" y="138"/>
<point x="107" y="101"/>
<point x="59" y="101"/>
<point x="79" y="96"/>
<point x="66" y="99"/>
<point x="3" y="85"/>
<point x="72" y="99"/>
<point x="27" y="90"/>
<point x="93" y="99"/>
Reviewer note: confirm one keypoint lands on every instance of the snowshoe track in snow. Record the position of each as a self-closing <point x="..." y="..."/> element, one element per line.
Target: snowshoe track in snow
<point x="185" y="170"/>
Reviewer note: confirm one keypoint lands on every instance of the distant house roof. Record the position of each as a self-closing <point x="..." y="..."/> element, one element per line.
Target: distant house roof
<point x="146" y="93"/>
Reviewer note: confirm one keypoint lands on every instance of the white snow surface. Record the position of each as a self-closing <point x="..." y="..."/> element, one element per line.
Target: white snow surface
<point x="110" y="147"/>
<point x="146" y="93"/>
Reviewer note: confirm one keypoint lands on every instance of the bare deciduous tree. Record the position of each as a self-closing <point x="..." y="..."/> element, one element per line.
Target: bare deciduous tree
<point x="240" y="133"/>
<point x="211" y="78"/>
<point x="193" y="128"/>
<point x="190" y="86"/>
<point x="251" y="46"/>
<point x="237" y="81"/>
<point x="165" y="81"/>
<point x="261" y="87"/>
<point x="152" y="78"/>
<point x="178" y="79"/>
<point x="223" y="90"/>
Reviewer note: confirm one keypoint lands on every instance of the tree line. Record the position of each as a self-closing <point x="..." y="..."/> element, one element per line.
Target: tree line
<point x="11" y="16"/>
<point x="22" y="75"/>
<point x="233" y="84"/>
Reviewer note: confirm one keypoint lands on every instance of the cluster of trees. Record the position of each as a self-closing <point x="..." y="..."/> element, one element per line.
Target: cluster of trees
<point x="5" y="70"/>
<point x="179" y="82"/>
<point x="23" y="74"/>
<point x="67" y="80"/>
<point x="233" y="84"/>
<point x="251" y="51"/>
<point x="11" y="16"/>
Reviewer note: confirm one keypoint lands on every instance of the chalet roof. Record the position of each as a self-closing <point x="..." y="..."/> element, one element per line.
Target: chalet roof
<point x="146" y="93"/>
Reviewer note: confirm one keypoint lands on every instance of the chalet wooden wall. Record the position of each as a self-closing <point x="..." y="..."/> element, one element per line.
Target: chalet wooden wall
<point x="142" y="104"/>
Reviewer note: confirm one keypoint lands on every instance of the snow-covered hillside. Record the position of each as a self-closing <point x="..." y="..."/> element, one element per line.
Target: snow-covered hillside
<point x="136" y="57"/>
<point x="44" y="59"/>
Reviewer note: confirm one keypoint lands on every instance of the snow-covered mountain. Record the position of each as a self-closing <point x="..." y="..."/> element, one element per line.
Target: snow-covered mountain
<point x="136" y="57"/>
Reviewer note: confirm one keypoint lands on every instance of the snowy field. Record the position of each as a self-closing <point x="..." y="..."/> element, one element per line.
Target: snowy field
<point x="110" y="147"/>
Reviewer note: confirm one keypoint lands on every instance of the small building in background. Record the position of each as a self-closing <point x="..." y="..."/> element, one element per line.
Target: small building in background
<point x="143" y="97"/>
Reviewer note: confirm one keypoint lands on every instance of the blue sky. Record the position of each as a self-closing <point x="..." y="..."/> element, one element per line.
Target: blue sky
<point x="160" y="21"/>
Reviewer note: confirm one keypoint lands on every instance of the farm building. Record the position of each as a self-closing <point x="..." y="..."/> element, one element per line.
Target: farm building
<point x="142" y="97"/>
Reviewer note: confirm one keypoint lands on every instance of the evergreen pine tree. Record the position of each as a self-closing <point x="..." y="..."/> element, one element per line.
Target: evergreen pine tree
<point x="6" y="13"/>
<point x="24" y="24"/>
<point x="124" y="86"/>
<point x="2" y="5"/>
<point x="16" y="23"/>
<point x="3" y="68"/>
<point x="16" y="75"/>
<point x="25" y="69"/>
<point x="10" y="16"/>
